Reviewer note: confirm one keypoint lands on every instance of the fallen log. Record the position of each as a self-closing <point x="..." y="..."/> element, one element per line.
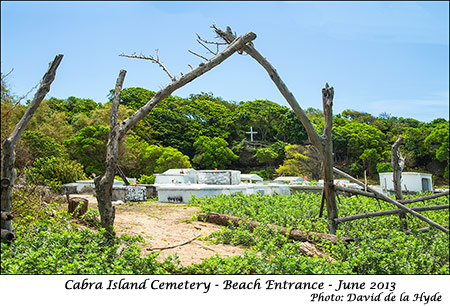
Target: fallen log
<point x="309" y="249"/>
<point x="293" y="234"/>
<point x="8" y="235"/>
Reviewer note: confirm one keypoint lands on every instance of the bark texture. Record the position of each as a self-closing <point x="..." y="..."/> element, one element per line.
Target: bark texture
<point x="8" y="171"/>
<point x="294" y="234"/>
<point x="329" y="190"/>
<point x="398" y="162"/>
<point x="104" y="183"/>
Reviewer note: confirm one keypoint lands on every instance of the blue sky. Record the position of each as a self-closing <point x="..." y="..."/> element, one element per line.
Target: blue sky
<point x="379" y="56"/>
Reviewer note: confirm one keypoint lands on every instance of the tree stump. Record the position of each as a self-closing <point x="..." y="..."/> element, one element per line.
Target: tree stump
<point x="77" y="206"/>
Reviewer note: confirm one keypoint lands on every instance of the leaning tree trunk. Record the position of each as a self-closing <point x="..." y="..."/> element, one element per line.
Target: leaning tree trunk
<point x="103" y="184"/>
<point x="8" y="172"/>
<point x="323" y="143"/>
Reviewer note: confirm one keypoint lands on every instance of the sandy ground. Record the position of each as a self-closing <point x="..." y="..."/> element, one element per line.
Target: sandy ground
<point x="164" y="225"/>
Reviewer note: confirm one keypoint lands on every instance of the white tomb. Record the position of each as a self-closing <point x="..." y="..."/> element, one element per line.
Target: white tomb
<point x="411" y="181"/>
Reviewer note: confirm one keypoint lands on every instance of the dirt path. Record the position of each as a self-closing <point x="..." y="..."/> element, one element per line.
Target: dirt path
<point x="166" y="224"/>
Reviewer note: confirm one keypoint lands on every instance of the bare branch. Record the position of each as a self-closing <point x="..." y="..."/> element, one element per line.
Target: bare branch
<point x="211" y="42"/>
<point x="150" y="58"/>
<point x="183" y="80"/>
<point x="190" y="66"/>
<point x="4" y="76"/>
<point x="198" y="55"/>
<point x="204" y="46"/>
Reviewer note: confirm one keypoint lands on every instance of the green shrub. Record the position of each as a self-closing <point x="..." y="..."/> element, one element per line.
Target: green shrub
<point x="54" y="171"/>
<point x="147" y="179"/>
<point x="384" y="167"/>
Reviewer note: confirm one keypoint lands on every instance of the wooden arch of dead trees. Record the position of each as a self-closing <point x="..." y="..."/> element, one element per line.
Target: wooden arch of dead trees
<point x="103" y="183"/>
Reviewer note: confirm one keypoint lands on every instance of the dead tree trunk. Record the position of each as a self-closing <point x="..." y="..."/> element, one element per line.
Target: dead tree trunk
<point x="322" y="143"/>
<point x="398" y="162"/>
<point x="103" y="184"/>
<point x="8" y="172"/>
<point x="327" y="154"/>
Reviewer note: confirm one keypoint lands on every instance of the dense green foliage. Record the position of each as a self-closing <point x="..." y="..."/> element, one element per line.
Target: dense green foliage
<point x="54" y="171"/>
<point x="361" y="141"/>
<point x="213" y="153"/>
<point x="379" y="247"/>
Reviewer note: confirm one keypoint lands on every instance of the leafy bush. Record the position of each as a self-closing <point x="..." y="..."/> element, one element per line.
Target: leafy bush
<point x="147" y="179"/>
<point x="384" y="167"/>
<point x="54" y="171"/>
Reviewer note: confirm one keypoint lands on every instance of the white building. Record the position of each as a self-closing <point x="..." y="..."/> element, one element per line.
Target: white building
<point x="411" y="181"/>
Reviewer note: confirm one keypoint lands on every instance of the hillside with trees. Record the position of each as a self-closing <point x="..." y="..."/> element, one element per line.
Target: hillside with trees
<point x="207" y="132"/>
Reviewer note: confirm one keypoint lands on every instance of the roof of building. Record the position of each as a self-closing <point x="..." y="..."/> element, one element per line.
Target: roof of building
<point x="251" y="176"/>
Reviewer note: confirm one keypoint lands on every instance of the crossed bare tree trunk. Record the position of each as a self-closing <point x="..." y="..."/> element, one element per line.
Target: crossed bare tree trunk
<point x="103" y="184"/>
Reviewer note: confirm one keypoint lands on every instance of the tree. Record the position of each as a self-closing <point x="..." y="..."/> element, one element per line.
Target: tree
<point x="301" y="161"/>
<point x="213" y="153"/>
<point x="263" y="115"/>
<point x="41" y="145"/>
<point x="266" y="156"/>
<point x="323" y="143"/>
<point x="88" y="147"/>
<point x="438" y="143"/>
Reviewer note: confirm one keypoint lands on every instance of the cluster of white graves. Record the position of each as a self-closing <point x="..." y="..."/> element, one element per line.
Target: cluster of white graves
<point x="180" y="185"/>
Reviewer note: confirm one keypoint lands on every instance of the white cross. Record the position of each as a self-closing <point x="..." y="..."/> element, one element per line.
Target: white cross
<point x="251" y="133"/>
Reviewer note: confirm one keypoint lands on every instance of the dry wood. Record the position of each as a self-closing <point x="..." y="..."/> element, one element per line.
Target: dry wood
<point x="398" y="162"/>
<point x="8" y="170"/>
<point x="6" y="215"/>
<point x="309" y="249"/>
<point x="104" y="183"/>
<point x="389" y="212"/>
<point x="396" y="203"/>
<point x="77" y="206"/>
<point x="294" y="234"/>
<point x="424" y="198"/>
<point x="7" y="235"/>
<point x="150" y="58"/>
<point x="174" y="246"/>
<point x="329" y="191"/>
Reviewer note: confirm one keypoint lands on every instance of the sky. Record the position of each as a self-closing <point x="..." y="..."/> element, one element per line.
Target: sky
<point x="380" y="57"/>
